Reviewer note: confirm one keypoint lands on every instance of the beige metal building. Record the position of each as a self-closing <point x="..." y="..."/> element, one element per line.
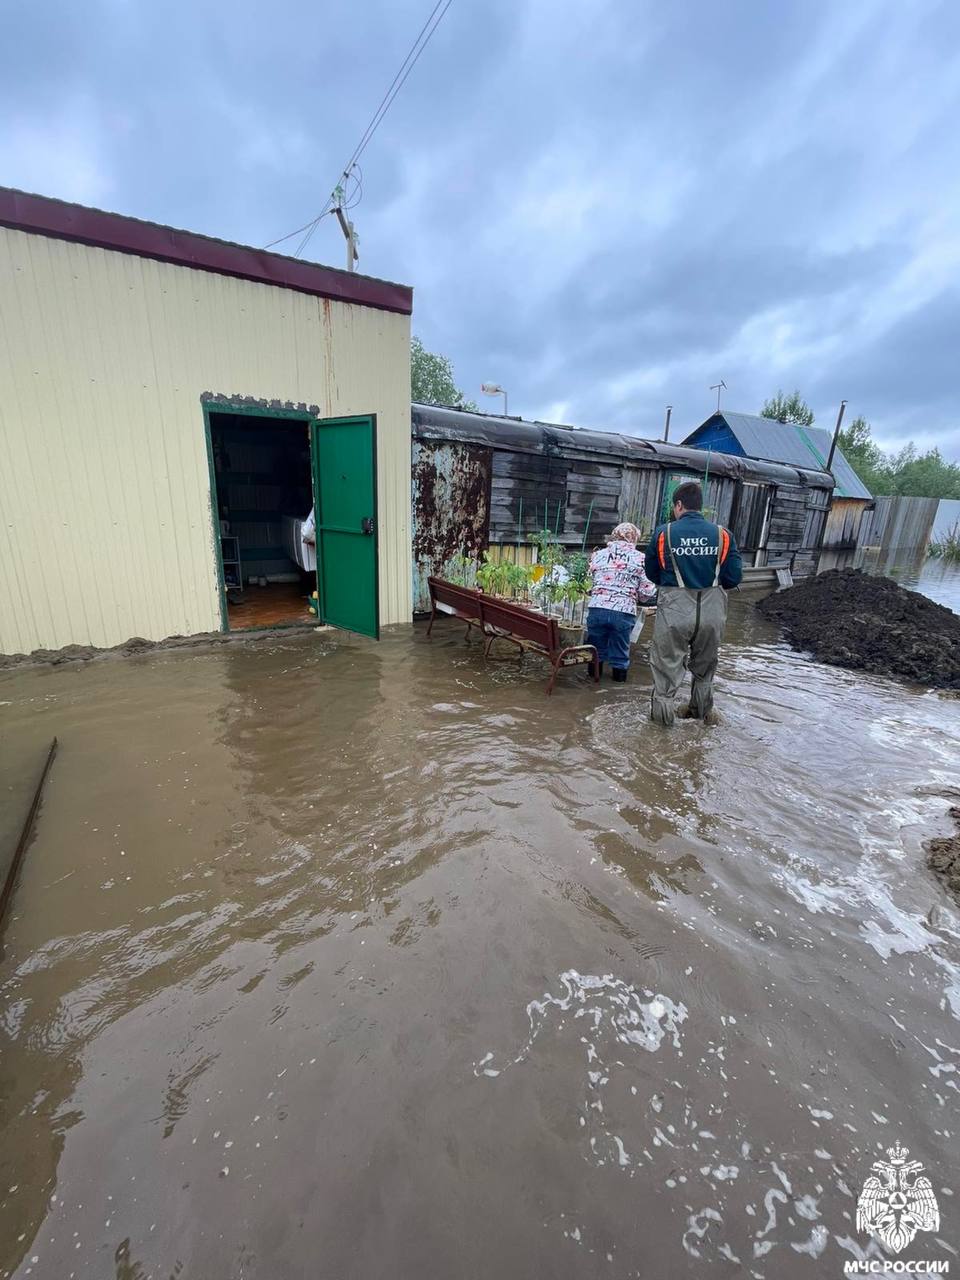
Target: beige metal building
<point x="172" y="408"/>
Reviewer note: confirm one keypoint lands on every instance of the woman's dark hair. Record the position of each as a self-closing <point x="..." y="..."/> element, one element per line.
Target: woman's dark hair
<point x="689" y="495"/>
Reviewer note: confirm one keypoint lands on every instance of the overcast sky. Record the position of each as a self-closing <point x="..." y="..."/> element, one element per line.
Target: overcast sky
<point x="606" y="205"/>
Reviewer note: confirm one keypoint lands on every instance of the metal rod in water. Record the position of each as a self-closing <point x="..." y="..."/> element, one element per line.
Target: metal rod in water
<point x="7" y="892"/>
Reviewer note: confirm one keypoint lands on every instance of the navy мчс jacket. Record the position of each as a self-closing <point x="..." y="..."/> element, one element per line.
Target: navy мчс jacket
<point x="696" y="544"/>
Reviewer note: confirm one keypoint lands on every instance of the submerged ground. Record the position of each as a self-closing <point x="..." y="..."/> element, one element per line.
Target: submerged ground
<point x="340" y="959"/>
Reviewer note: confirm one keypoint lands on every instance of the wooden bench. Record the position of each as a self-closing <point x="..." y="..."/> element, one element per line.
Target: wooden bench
<point x="499" y="619"/>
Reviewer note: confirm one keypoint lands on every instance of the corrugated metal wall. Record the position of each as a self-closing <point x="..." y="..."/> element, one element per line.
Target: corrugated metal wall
<point x="105" y="524"/>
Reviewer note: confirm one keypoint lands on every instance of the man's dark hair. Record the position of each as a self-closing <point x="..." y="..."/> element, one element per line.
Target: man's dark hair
<point x="689" y="495"/>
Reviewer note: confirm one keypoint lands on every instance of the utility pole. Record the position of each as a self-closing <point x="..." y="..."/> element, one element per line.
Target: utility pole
<point x="718" y="387"/>
<point x="350" y="235"/>
<point x="666" y="425"/>
<point x="836" y="435"/>
<point x="346" y="226"/>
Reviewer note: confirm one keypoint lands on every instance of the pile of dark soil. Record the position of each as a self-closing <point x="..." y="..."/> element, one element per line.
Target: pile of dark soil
<point x="853" y="619"/>
<point x="943" y="855"/>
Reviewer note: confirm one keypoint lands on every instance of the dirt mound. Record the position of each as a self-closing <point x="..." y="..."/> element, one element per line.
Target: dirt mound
<point x="943" y="855"/>
<point x="137" y="645"/>
<point x="852" y="619"/>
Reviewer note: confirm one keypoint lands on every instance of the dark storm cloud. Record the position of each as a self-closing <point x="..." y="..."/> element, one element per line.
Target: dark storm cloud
<point x="606" y="206"/>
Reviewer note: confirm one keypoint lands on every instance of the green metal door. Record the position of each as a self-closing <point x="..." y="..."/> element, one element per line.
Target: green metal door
<point x="344" y="452"/>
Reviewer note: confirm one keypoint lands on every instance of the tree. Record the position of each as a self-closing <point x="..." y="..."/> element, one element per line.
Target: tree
<point x="909" y="473"/>
<point x="925" y="475"/>
<point x="791" y="408"/>
<point x="866" y="457"/>
<point x="431" y="379"/>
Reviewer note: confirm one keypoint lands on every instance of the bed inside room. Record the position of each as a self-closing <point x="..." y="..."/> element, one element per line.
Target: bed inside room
<point x="264" y="495"/>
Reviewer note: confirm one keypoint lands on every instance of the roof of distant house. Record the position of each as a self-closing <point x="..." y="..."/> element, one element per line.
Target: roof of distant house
<point x="786" y="442"/>
<point x="60" y="220"/>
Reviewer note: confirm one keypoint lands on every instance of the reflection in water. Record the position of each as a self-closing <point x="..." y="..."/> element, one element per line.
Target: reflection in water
<point x="280" y="989"/>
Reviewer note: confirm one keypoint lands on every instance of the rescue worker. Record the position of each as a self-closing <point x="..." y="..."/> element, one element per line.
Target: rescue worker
<point x="619" y="586"/>
<point x="695" y="563"/>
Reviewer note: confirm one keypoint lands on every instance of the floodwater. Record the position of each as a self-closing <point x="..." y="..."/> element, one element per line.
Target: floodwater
<point x="938" y="579"/>
<point x="335" y="959"/>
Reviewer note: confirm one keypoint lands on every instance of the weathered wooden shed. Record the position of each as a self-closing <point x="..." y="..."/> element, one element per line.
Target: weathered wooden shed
<point x="172" y="406"/>
<point x="481" y="481"/>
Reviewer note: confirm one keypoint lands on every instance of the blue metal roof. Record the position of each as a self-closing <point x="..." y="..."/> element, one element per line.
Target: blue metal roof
<point x="790" y="443"/>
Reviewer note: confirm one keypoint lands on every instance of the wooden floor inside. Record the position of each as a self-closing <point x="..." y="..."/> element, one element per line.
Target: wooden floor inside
<point x="269" y="606"/>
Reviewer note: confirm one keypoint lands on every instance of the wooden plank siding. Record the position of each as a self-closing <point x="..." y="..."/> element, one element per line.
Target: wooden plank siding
<point x="640" y="497"/>
<point x="788" y="517"/>
<point x="593" y="493"/>
<point x="843" y="524"/>
<point x="526" y="489"/>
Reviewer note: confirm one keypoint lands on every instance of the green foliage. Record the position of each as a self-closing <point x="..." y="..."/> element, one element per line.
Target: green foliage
<point x="517" y="578"/>
<point x="788" y="408"/>
<point x="462" y="571"/>
<point x="578" y="566"/>
<point x="924" y="475"/>
<point x="574" y="590"/>
<point x="866" y="457"/>
<point x="503" y="577"/>
<point x="431" y="379"/>
<point x="491" y="575"/>
<point x="908" y="473"/>
<point x="948" y="547"/>
<point x="549" y="551"/>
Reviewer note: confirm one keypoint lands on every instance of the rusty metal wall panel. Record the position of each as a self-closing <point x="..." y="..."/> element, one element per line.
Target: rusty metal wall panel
<point x="451" y="509"/>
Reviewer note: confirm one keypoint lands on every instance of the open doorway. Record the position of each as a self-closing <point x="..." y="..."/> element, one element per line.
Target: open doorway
<point x="263" y="494"/>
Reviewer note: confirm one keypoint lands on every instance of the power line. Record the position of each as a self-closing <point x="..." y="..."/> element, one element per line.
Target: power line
<point x="399" y="79"/>
<point x="409" y="62"/>
<point x="336" y="198"/>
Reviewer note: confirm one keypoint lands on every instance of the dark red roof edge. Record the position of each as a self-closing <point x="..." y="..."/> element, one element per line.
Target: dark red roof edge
<point x="41" y="215"/>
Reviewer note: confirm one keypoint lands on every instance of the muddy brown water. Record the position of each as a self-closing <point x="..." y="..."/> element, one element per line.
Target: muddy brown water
<point x="336" y="959"/>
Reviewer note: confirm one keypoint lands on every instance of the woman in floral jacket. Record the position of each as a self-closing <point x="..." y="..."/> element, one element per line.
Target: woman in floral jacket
<point x="619" y="586"/>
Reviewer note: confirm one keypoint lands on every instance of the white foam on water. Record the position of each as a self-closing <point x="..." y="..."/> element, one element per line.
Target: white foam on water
<point x="613" y="1009"/>
<point x="613" y="1013"/>
<point x="816" y="1244"/>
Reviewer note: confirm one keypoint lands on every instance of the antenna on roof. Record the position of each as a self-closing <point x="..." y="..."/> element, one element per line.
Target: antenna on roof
<point x="718" y="387"/>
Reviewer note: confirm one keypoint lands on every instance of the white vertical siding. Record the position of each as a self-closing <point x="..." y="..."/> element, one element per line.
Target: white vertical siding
<point x="105" y="517"/>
